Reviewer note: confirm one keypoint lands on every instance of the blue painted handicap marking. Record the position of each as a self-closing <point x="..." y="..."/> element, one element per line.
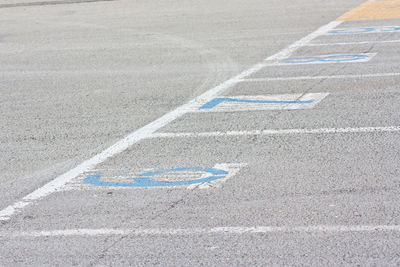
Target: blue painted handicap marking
<point x="186" y="176"/>
<point x="378" y="29"/>
<point x="148" y="179"/>
<point x="261" y="102"/>
<point x="337" y="58"/>
<point x="219" y="100"/>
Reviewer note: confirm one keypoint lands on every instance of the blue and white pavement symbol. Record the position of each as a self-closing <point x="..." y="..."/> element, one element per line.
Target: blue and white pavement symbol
<point x="260" y="102"/>
<point x="337" y="58"/>
<point x="379" y="29"/>
<point x="152" y="179"/>
<point x="219" y="100"/>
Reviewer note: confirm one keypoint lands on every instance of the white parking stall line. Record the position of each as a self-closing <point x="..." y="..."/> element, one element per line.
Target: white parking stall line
<point x="304" y="41"/>
<point x="354" y="43"/>
<point x="350" y="76"/>
<point x="149" y="232"/>
<point x="147" y="130"/>
<point x="280" y="132"/>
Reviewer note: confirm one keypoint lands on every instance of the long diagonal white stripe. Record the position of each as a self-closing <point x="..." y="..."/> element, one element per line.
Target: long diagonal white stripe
<point x="150" y="128"/>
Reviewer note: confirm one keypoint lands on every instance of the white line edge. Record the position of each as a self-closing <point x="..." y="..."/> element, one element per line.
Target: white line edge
<point x="354" y="43"/>
<point x="351" y="76"/>
<point x="280" y="132"/>
<point x="322" y="229"/>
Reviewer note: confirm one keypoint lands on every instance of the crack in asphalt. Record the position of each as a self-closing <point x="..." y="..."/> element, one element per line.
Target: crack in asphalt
<point x="174" y="204"/>
<point x="171" y="206"/>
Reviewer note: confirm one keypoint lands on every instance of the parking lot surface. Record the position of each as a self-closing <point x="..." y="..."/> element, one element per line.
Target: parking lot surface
<point x="200" y="133"/>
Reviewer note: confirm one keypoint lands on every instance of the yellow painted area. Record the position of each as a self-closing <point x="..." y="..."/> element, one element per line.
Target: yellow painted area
<point x="374" y="10"/>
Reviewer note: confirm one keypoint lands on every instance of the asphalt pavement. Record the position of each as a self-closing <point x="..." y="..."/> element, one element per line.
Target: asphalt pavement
<point x="180" y="133"/>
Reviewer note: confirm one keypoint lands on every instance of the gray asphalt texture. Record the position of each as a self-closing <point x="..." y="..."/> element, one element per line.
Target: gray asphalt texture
<point x="77" y="77"/>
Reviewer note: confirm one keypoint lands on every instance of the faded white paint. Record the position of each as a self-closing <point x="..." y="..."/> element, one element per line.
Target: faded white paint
<point x="350" y="76"/>
<point x="314" y="229"/>
<point x="281" y="132"/>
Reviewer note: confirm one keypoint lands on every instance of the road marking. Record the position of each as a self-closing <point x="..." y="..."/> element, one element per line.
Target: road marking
<point x="146" y="131"/>
<point x="351" y="76"/>
<point x="356" y="43"/>
<point x="261" y="102"/>
<point x="302" y="42"/>
<point x="377" y="29"/>
<point x="314" y="229"/>
<point x="373" y="10"/>
<point x="336" y="58"/>
<point x="281" y="132"/>
<point x="189" y="177"/>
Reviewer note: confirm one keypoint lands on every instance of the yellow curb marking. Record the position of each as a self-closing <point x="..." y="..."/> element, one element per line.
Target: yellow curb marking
<point x="374" y="10"/>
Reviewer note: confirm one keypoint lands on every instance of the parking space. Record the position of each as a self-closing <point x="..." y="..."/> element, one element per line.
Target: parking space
<point x="351" y="83"/>
<point x="298" y="155"/>
<point x="361" y="32"/>
<point x="304" y="179"/>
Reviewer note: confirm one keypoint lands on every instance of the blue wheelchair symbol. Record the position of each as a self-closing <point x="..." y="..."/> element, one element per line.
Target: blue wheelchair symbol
<point x="366" y="30"/>
<point x="353" y="31"/>
<point x="219" y="100"/>
<point x="330" y="59"/>
<point x="145" y="179"/>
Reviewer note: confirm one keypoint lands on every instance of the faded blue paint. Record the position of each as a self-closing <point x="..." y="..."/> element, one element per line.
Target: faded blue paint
<point x="352" y="31"/>
<point x="332" y="58"/>
<point x="143" y="180"/>
<point x="390" y="29"/>
<point x="365" y="30"/>
<point x="219" y="100"/>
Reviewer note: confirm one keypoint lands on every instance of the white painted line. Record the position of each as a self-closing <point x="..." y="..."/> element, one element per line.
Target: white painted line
<point x="355" y="43"/>
<point x="304" y="41"/>
<point x="260" y="102"/>
<point x="281" y="132"/>
<point x="147" y="130"/>
<point x="231" y="168"/>
<point x="314" y="229"/>
<point x="350" y="76"/>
